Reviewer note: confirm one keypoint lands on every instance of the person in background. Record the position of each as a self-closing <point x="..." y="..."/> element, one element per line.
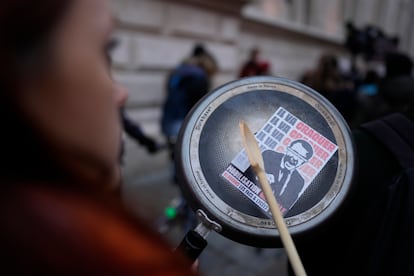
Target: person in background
<point x="397" y="88"/>
<point x="371" y="233"/>
<point x="326" y="79"/>
<point x="394" y="92"/>
<point x="186" y="84"/>
<point x="254" y="66"/>
<point x="59" y="171"/>
<point x="370" y="104"/>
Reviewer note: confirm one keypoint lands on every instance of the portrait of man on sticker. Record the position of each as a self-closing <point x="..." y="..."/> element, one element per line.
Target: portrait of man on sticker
<point x="281" y="171"/>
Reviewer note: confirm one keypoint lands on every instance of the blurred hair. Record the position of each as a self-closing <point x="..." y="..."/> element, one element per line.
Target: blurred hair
<point x="201" y="57"/>
<point x="25" y="27"/>
<point x="199" y="50"/>
<point x="254" y="52"/>
<point x="325" y="77"/>
<point x="328" y="64"/>
<point x="209" y="64"/>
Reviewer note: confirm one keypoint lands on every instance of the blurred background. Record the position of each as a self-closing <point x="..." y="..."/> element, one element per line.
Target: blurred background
<point x="296" y="39"/>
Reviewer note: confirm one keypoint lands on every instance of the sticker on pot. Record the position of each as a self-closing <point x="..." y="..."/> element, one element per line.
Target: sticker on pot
<point x="293" y="154"/>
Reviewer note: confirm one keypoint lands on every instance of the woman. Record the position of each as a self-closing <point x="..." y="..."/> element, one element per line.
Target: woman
<point x="60" y="147"/>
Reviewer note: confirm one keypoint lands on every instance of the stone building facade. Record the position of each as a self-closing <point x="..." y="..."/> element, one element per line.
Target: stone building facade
<point x="155" y="35"/>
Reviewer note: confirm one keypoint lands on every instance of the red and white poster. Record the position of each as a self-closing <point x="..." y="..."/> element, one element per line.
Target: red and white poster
<point x="293" y="153"/>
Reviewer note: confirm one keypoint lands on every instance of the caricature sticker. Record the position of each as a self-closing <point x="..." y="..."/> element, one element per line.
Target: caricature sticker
<point x="293" y="155"/>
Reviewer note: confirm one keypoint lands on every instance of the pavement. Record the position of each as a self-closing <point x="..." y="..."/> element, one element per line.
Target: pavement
<point x="148" y="189"/>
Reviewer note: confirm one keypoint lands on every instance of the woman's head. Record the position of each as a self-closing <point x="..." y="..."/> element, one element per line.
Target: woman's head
<point x="56" y="86"/>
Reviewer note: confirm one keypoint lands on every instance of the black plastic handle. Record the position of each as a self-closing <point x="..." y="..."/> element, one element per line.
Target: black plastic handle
<point x="192" y="245"/>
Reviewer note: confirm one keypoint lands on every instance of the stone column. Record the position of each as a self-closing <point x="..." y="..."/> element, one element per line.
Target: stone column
<point x="405" y="22"/>
<point x="388" y="16"/>
<point x="348" y="7"/>
<point x="300" y="11"/>
<point x="326" y="16"/>
<point x="365" y="12"/>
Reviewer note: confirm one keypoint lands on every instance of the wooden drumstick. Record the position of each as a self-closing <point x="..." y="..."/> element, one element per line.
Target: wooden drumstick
<point x="256" y="161"/>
